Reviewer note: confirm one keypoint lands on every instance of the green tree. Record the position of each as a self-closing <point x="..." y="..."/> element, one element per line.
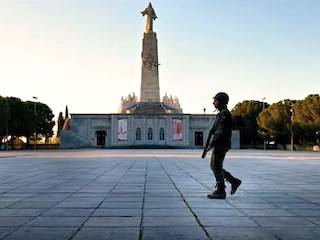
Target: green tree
<point x="245" y="119"/>
<point x="41" y="120"/>
<point x="44" y="120"/>
<point x="66" y="113"/>
<point x="22" y="119"/>
<point x="60" y="123"/>
<point x="29" y="119"/>
<point x="16" y="118"/>
<point x="306" y="119"/>
<point x="275" y="122"/>
<point x="4" y="115"/>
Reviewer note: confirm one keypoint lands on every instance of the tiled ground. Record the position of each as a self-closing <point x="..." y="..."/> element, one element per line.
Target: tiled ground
<point x="156" y="194"/>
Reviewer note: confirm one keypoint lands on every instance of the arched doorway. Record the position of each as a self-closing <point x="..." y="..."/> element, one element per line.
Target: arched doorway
<point x="198" y="138"/>
<point x="101" y="138"/>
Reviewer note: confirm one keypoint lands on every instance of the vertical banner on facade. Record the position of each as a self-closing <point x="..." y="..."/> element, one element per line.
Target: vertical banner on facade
<point x="177" y="129"/>
<point x="123" y="129"/>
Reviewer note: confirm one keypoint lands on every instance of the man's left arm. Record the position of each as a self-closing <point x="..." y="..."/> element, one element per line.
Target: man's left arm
<point x="220" y="130"/>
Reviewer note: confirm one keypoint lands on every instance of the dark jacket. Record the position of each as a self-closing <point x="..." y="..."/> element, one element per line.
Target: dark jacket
<point x="222" y="131"/>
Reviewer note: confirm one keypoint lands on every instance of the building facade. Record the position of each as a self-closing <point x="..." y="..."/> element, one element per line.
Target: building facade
<point x="139" y="131"/>
<point x="144" y="123"/>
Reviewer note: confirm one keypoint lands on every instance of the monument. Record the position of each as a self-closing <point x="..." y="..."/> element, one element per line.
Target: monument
<point x="149" y="91"/>
<point x="148" y="122"/>
<point x="149" y="88"/>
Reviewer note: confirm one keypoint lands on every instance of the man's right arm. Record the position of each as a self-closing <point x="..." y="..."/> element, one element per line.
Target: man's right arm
<point x="207" y="146"/>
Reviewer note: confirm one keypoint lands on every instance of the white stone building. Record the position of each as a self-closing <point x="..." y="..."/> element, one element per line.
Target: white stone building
<point x="148" y="123"/>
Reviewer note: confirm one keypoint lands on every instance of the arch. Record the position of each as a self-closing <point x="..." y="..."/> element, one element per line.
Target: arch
<point x="101" y="138"/>
<point x="150" y="134"/>
<point x="138" y="134"/>
<point x="161" y="134"/>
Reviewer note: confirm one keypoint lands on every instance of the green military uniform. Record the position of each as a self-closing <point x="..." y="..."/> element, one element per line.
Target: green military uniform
<point x="220" y="144"/>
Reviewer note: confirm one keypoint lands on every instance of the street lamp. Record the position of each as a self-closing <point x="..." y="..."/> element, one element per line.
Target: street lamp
<point x="264" y="141"/>
<point x="35" y="123"/>
<point x="7" y="123"/>
<point x="291" y="110"/>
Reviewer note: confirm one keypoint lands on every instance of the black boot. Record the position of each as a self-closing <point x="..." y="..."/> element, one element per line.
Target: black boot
<point x="235" y="182"/>
<point x="234" y="186"/>
<point x="220" y="193"/>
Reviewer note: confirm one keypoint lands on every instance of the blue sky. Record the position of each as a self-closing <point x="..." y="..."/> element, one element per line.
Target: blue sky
<point x="86" y="53"/>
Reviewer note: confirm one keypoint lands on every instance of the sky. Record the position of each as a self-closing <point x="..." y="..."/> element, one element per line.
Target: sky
<point x="86" y="53"/>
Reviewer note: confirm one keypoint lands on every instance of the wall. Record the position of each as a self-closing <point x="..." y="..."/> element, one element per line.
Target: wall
<point x="149" y="121"/>
<point x="84" y="128"/>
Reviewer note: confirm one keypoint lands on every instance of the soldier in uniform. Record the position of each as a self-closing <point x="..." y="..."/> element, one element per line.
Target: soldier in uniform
<point x="219" y="140"/>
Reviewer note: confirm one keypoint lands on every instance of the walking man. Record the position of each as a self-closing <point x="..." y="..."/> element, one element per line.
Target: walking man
<point x="219" y="140"/>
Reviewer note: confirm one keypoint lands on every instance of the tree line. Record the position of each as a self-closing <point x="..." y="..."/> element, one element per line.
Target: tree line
<point x="22" y="118"/>
<point x="259" y="121"/>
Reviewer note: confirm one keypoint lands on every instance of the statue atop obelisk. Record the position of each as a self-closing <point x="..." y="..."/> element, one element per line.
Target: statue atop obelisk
<point x="151" y="15"/>
<point x="150" y="91"/>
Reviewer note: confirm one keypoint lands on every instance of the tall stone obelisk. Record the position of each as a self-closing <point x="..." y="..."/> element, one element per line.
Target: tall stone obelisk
<point x="149" y="91"/>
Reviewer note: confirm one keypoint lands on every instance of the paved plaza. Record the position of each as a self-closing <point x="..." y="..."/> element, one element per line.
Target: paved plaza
<point x="157" y="194"/>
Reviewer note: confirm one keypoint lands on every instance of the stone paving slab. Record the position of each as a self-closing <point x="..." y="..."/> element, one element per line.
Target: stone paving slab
<point x="43" y="221"/>
<point x="99" y="233"/>
<point x="121" y="205"/>
<point x="113" y="222"/>
<point x="13" y="221"/>
<point x="227" y="221"/>
<point x="218" y="212"/>
<point x="167" y="212"/>
<point x="248" y="233"/>
<point x="315" y="220"/>
<point x="117" y="212"/>
<point x="168" y="221"/>
<point x="173" y="233"/>
<point x="48" y="233"/>
<point x="17" y="212"/>
<point x="283" y="222"/>
<point x="296" y="233"/>
<point x="267" y="213"/>
<point x="4" y="231"/>
<point x="157" y="194"/>
<point x="68" y="212"/>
